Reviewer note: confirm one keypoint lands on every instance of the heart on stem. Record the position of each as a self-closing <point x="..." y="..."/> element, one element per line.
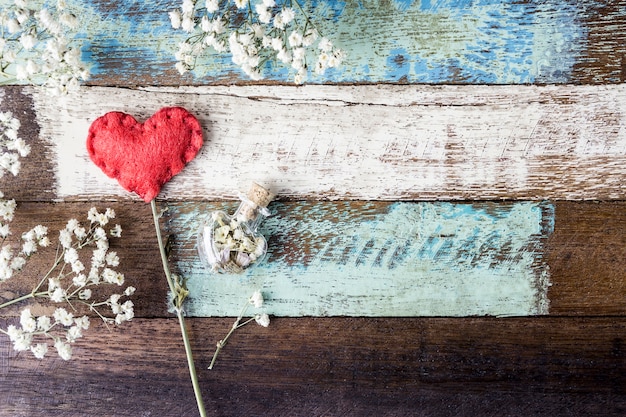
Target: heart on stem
<point x="142" y="157"/>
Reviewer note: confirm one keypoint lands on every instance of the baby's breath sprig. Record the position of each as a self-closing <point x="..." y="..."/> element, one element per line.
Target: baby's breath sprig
<point x="255" y="32"/>
<point x="67" y="281"/>
<point x="262" y="319"/>
<point x="38" y="45"/>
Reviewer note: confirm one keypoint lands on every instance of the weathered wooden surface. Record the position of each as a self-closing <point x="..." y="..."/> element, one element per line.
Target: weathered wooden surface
<point x="582" y="259"/>
<point x="131" y="43"/>
<point x="381" y="259"/>
<point x="336" y="367"/>
<point x="367" y="142"/>
<point x="388" y="126"/>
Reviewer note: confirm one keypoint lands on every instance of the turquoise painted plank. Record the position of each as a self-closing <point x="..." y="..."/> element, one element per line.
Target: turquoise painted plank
<point x="380" y="259"/>
<point x="427" y="41"/>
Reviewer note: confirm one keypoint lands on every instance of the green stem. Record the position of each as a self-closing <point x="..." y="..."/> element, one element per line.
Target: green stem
<point x="179" y="313"/>
<point x="234" y="327"/>
<point x="22" y="298"/>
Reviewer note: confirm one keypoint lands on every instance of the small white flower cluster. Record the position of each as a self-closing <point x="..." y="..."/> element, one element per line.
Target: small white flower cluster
<point x="34" y="46"/>
<point x="31" y="327"/>
<point x="257" y="300"/>
<point x="68" y="283"/>
<point x="12" y="147"/>
<point x="262" y="319"/>
<point x="271" y="30"/>
<point x="67" y="279"/>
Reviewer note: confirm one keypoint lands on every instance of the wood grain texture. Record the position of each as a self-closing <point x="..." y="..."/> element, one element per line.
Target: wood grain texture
<point x="366" y="142"/>
<point x="129" y="43"/>
<point x="381" y="133"/>
<point x="584" y="255"/>
<point x="379" y="259"/>
<point x="334" y="367"/>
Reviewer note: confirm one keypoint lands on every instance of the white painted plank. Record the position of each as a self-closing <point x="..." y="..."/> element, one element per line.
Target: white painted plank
<point x="383" y="142"/>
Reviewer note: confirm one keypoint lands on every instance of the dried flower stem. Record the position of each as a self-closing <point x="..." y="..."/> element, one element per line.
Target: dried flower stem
<point x="178" y="294"/>
<point x="234" y="327"/>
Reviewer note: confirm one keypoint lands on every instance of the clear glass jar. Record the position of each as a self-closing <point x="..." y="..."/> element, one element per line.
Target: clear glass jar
<point x="231" y="244"/>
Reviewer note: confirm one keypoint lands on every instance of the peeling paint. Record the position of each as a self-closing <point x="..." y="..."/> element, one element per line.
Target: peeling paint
<point x="413" y="259"/>
<point x="466" y="41"/>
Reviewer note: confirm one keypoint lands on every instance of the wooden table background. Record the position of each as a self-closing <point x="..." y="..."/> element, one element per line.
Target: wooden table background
<point x="509" y="114"/>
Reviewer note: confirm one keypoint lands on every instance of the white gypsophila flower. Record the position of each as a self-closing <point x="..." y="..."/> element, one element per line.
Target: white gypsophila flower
<point x="257" y="299"/>
<point x="287" y="15"/>
<point x="112" y="277"/>
<point x="39" y="350"/>
<point x="262" y="319"/>
<point x="44" y="323"/>
<point x="27" y="321"/>
<point x="58" y="295"/>
<point x="65" y="238"/>
<point x="188" y="6"/>
<point x="29" y="247"/>
<point x="28" y="41"/>
<point x="129" y="291"/>
<point x="23" y="341"/>
<point x="74" y="333"/>
<point x="188" y="24"/>
<point x="72" y="224"/>
<point x="70" y="256"/>
<point x="82" y="322"/>
<point x="175" y="19"/>
<point x="77" y="267"/>
<point x="92" y="215"/>
<point x="17" y="263"/>
<point x="79" y="280"/>
<point x="7" y="209"/>
<point x="62" y="316"/>
<point x="112" y="259"/>
<point x="63" y="349"/>
<point x="116" y="231"/>
<point x="100" y="235"/>
<point x="212" y="6"/>
<point x="85" y="294"/>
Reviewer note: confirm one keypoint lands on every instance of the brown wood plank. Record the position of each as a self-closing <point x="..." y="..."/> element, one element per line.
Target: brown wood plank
<point x="334" y="367"/>
<point x="587" y="258"/>
<point x="584" y="253"/>
<point x="604" y="58"/>
<point x="137" y="249"/>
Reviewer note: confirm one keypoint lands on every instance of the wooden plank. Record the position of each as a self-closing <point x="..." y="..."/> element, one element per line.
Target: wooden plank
<point x="130" y="43"/>
<point x="378" y="142"/>
<point x="339" y="366"/>
<point x="588" y="247"/>
<point x="380" y="259"/>
<point x="137" y="249"/>
<point x="582" y="259"/>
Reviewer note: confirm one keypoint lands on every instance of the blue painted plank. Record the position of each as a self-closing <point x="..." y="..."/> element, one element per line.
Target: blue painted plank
<point x="380" y="259"/>
<point x="466" y="41"/>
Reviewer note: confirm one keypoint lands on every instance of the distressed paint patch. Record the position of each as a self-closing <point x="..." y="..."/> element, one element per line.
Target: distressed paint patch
<point x="438" y="41"/>
<point x="378" y="142"/>
<point x="408" y="259"/>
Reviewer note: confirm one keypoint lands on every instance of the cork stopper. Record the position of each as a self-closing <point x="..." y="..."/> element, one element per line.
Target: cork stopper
<point x="258" y="199"/>
<point x="259" y="195"/>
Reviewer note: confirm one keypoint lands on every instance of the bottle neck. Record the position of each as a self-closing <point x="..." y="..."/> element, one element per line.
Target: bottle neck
<point x="250" y="214"/>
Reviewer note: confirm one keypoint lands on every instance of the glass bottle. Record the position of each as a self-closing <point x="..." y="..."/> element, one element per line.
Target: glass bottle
<point x="231" y="244"/>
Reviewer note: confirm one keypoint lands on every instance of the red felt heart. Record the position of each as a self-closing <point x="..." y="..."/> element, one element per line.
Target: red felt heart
<point x="144" y="156"/>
